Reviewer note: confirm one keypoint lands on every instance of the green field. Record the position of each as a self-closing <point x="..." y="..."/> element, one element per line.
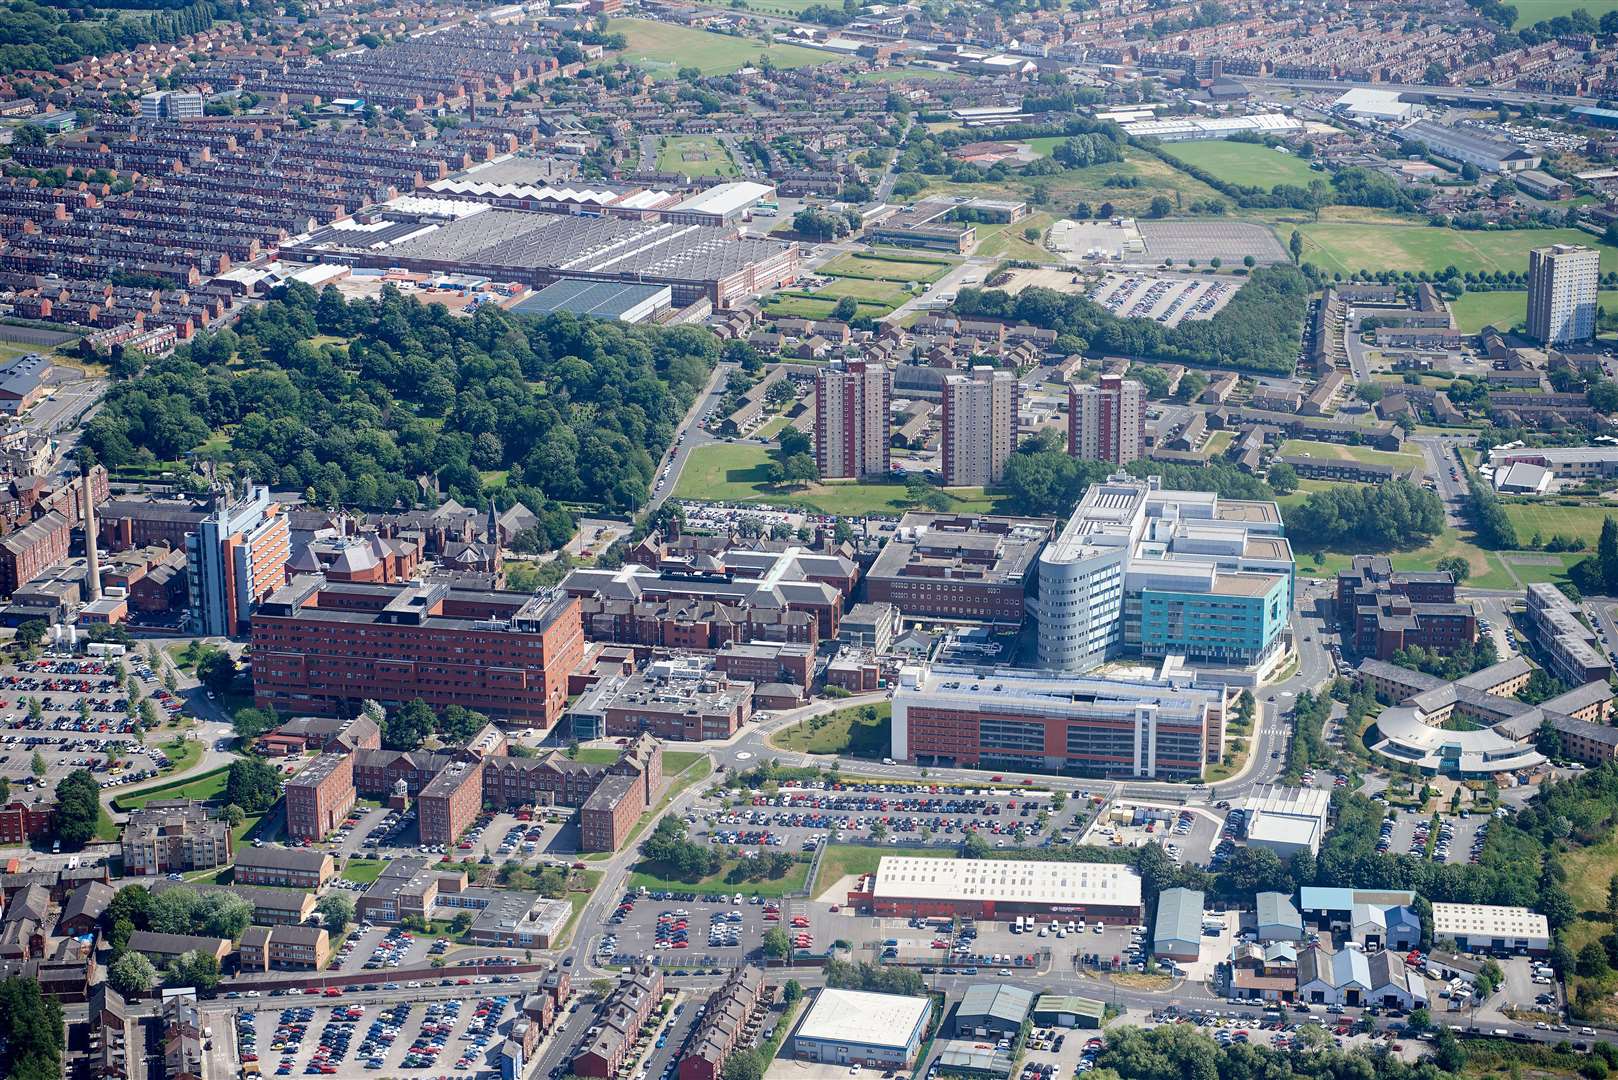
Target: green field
<point x="1071" y="186"/>
<point x="1349" y="246"/>
<point x="661" y="46"/>
<point x="1533" y="11"/>
<point x="864" y="289"/>
<point x="210" y="785"/>
<point x="802" y="305"/>
<point x="650" y="875"/>
<point x="842" y="732"/>
<point x="1008" y="241"/>
<point x="695" y="155"/>
<point x="364" y="871"/>
<point x="885" y="269"/>
<point x="734" y="472"/>
<point x="1245" y="163"/>
<point x="1548" y="520"/>
<point x="843" y="860"/>
<point x="1475" y="310"/>
<point x="1404" y="459"/>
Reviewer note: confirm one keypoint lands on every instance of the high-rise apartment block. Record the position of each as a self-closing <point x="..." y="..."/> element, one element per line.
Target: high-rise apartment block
<point x="1106" y="422"/>
<point x="236" y="557"/>
<point x="980" y="426"/>
<point x="851" y="420"/>
<point x="1562" y="282"/>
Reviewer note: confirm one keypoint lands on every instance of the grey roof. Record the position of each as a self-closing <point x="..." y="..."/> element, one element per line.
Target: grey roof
<point x="1179" y="916"/>
<point x="280" y="858"/>
<point x="601" y="299"/>
<point x="1009" y="1003"/>
<point x="89" y="899"/>
<point x="1277" y="909"/>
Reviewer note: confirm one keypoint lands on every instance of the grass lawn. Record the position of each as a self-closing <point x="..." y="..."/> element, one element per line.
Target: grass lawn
<point x="1474" y="311"/>
<point x="903" y="270"/>
<point x="694" y="155"/>
<point x="734" y="472"/>
<point x="364" y="871"/>
<point x="1219" y="442"/>
<point x="106" y="828"/>
<point x="662" y="45"/>
<point x="646" y="873"/>
<point x="1071" y="186"/>
<point x="596" y="755"/>
<point x="1350" y="246"/>
<point x="1404" y="459"/>
<point x="1548" y="520"/>
<point x="900" y="74"/>
<point x="842" y="732"/>
<point x="1530" y="12"/>
<point x="184" y="753"/>
<point x="864" y="289"/>
<point x="802" y="305"/>
<point x="1248" y="164"/>
<point x="676" y="762"/>
<point x="842" y="860"/>
<point x="772" y="427"/>
<point x="1008" y="241"/>
<point x="210" y="785"/>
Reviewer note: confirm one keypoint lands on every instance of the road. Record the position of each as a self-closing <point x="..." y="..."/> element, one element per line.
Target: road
<point x="679" y="451"/>
<point x="975" y="268"/>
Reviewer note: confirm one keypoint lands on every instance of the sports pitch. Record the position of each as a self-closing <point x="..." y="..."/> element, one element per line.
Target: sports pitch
<point x="695" y="155"/>
<point x="660" y="45"/>
<point x="1348" y="246"/>
<point x="1549" y="520"/>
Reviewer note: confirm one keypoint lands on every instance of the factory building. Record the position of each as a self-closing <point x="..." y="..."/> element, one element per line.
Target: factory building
<point x="1000" y="889"/>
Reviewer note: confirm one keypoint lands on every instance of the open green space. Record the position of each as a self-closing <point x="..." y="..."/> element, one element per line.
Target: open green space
<point x="850" y="265"/>
<point x="653" y="877"/>
<point x="864" y="289"/>
<point x="577" y="898"/>
<point x="1530" y="12"/>
<point x="1009" y="241"/>
<point x="1064" y="190"/>
<point x="676" y="762"/>
<point x="596" y="755"/>
<point x="694" y="155"/>
<point x="1349" y="246"/>
<point x="772" y="427"/>
<point x="667" y="47"/>
<point x="1588" y="870"/>
<point x="182" y="753"/>
<point x="1547" y="519"/>
<point x="901" y="74"/>
<point x="737" y="472"/>
<point x="855" y="860"/>
<point x="846" y="731"/>
<point x="210" y="785"/>
<point x="802" y="305"/>
<point x="1365" y="455"/>
<point x="1245" y="163"/>
<point x="364" y="871"/>
<point x="1475" y="310"/>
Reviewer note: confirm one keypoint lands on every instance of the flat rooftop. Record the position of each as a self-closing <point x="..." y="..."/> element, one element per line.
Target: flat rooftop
<point x="1012" y="881"/>
<point x="864" y="1019"/>
<point x="1485" y="920"/>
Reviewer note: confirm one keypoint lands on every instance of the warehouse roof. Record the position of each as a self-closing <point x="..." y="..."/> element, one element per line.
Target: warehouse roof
<point x="725" y="198"/>
<point x="1106" y="884"/>
<point x="1009" y="1003"/>
<point x="1066" y="1003"/>
<point x="1480" y="920"/>
<point x="1277" y="909"/>
<point x="1179" y="916"/>
<point x="864" y="1019"/>
<point x="600" y="299"/>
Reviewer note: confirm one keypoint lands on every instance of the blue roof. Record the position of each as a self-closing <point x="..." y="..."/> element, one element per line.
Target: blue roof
<point x="1323" y="898"/>
<point x="1594" y="110"/>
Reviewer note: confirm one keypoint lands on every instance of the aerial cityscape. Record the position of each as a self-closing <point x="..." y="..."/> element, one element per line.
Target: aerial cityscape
<point x="790" y="540"/>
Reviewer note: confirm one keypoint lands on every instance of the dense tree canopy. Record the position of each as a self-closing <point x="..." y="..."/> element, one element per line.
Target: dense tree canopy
<point x="34" y="1032"/>
<point x="1396" y="514"/>
<point x="566" y="409"/>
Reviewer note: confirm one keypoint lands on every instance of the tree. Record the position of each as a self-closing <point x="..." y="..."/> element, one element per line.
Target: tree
<point x="1592" y="963"/>
<point x="405" y="727"/>
<point x="250" y="723"/>
<point x="252" y="785"/>
<point x="743" y="1065"/>
<point x="600" y="988"/>
<point x="845" y="309"/>
<point x="461" y="923"/>
<point x="336" y="911"/>
<point x="1420" y="1020"/>
<point x="34" y="1027"/>
<point x="777" y="945"/>
<point x="132" y="974"/>
<point x="197" y="969"/>
<point x="38" y="766"/>
<point x="217" y="671"/>
<point x="792" y="991"/>
<point x="1457" y="567"/>
<point x="31" y="632"/>
<point x="1295" y="245"/>
<point x="1607" y="554"/>
<point x="78" y="809"/>
<point x="1160" y="207"/>
<point x="1283" y="478"/>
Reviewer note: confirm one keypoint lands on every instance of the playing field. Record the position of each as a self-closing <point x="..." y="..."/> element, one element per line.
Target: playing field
<point x="1248" y="164"/>
<point x="1404" y="459"/>
<point x="662" y="46"/>
<point x="797" y="305"/>
<point x="694" y="155"/>
<point x="1474" y="311"/>
<point x="1530" y="12"/>
<point x="733" y="472"/>
<point x="1346" y="247"/>
<point x="1548" y="520"/>
<point x="900" y="270"/>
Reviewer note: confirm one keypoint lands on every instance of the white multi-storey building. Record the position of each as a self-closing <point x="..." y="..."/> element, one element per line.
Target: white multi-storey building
<point x="1562" y="284"/>
<point x="980" y="426"/>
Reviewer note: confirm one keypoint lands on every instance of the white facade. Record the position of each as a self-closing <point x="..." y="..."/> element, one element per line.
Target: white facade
<point x="1486" y="928"/>
<point x="1106" y="422"/>
<point x="979" y="426"/>
<point x="1562" y="284"/>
